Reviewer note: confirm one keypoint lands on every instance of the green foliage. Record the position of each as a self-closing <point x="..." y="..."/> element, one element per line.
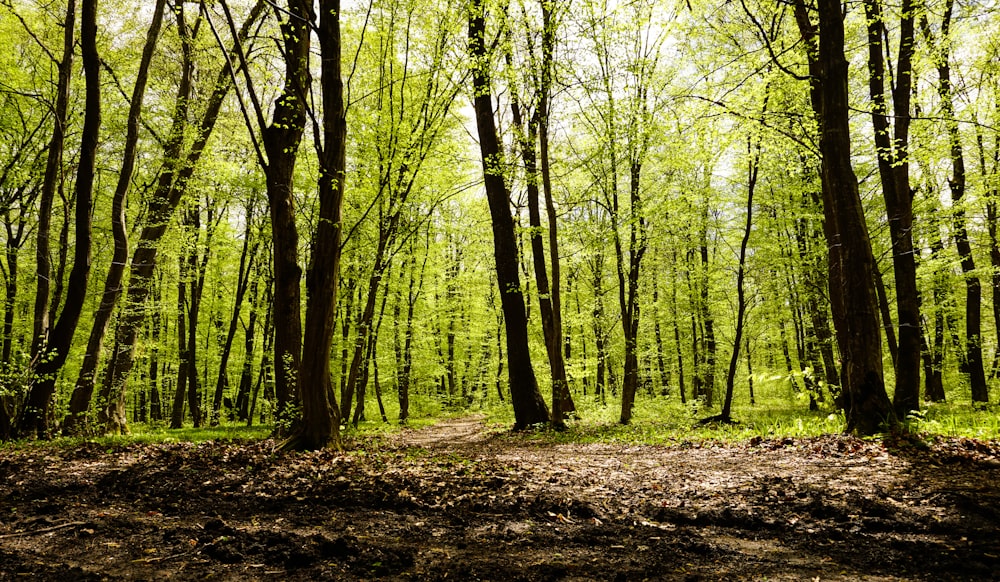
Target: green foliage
<point x="963" y="420"/>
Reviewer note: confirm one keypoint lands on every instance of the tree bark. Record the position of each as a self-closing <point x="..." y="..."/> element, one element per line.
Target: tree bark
<point x="891" y="147"/>
<point x="281" y="142"/>
<point x="34" y="417"/>
<point x="529" y="408"/>
<point x="171" y="186"/>
<point x="957" y="184"/>
<point x="247" y="257"/>
<point x="76" y="421"/>
<point x="320" y="426"/>
<point x="50" y="183"/>
<point x="851" y="263"/>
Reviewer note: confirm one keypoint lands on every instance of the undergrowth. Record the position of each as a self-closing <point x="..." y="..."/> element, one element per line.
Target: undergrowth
<point x="656" y="420"/>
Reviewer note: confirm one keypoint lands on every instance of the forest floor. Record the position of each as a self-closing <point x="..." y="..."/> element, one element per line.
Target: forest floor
<point x="462" y="501"/>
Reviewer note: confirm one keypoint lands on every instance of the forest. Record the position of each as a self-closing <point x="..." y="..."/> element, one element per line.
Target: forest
<point x="217" y="212"/>
<point x="285" y="274"/>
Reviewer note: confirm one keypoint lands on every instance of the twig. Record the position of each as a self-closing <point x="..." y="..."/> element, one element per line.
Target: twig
<point x="43" y="530"/>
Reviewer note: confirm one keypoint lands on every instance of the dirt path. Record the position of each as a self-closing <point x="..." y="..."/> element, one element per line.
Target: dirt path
<point x="461" y="433"/>
<point x="462" y="501"/>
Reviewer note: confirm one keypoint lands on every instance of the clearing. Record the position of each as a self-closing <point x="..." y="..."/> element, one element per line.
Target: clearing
<point x="461" y="501"/>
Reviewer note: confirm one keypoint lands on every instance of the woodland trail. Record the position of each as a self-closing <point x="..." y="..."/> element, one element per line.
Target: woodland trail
<point x="464" y="500"/>
<point x="459" y="433"/>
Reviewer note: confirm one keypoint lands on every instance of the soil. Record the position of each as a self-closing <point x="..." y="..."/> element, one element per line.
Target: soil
<point x="463" y="501"/>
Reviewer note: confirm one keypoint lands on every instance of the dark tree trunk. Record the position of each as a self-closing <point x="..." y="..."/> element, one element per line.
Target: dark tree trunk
<point x="175" y="174"/>
<point x="183" y="358"/>
<point x="320" y="426"/>
<point x="249" y="345"/>
<point x="267" y="331"/>
<point x="534" y="150"/>
<point x="629" y="291"/>
<point x="35" y="415"/>
<point x="247" y="257"/>
<point x="895" y="174"/>
<point x="76" y="420"/>
<point x="661" y="365"/>
<point x="741" y="303"/>
<point x="50" y="183"/>
<point x="707" y="391"/>
<point x="957" y="184"/>
<point x="529" y="408"/>
<point x="852" y="295"/>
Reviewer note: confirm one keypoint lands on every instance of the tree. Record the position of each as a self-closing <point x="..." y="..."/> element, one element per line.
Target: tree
<point x="532" y="137"/>
<point x="177" y="168"/>
<point x="957" y="185"/>
<point x="320" y="426"/>
<point x="529" y="408"/>
<point x="34" y="416"/>
<point x="854" y="306"/>
<point x="84" y="389"/>
<point x="894" y="170"/>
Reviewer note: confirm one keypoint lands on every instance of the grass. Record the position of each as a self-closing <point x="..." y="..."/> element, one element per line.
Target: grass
<point x="775" y="415"/>
<point x="778" y="413"/>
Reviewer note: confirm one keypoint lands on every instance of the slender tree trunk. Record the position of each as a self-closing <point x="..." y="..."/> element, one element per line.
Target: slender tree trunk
<point x="957" y="184"/>
<point x="247" y="256"/>
<point x="529" y="408"/>
<point x="50" y="183"/>
<point x="708" y="320"/>
<point x="741" y="302"/>
<point x="630" y="306"/>
<point x="75" y="421"/>
<point x="249" y="345"/>
<point x="897" y="194"/>
<point x="34" y="417"/>
<point x="267" y="331"/>
<point x="175" y="174"/>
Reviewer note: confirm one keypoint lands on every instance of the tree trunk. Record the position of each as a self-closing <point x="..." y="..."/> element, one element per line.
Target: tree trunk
<point x="320" y="426"/>
<point x="247" y="257"/>
<point x="741" y="303"/>
<point x="175" y="174"/>
<point x="854" y="305"/>
<point x="34" y="417"/>
<point x="50" y="182"/>
<point x="957" y="184"/>
<point x="707" y="391"/>
<point x="76" y="420"/>
<point x="529" y="408"/>
<point x="897" y="194"/>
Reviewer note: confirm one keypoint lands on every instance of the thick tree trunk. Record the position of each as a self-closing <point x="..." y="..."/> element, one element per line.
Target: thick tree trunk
<point x="320" y="426"/>
<point x="854" y="305"/>
<point x="281" y="142"/>
<point x="529" y="408"/>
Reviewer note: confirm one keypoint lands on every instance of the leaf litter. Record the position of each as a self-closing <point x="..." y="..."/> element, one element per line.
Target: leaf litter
<point x="461" y="501"/>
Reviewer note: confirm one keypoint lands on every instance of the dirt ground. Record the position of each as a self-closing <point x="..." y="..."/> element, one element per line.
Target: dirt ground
<point x="456" y="502"/>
